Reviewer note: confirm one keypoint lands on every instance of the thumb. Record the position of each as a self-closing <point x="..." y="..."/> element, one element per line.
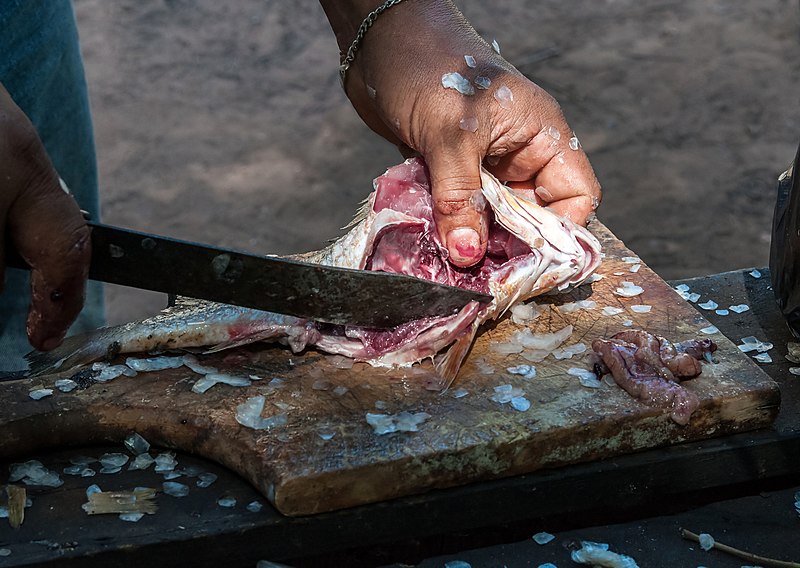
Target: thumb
<point x="459" y="209"/>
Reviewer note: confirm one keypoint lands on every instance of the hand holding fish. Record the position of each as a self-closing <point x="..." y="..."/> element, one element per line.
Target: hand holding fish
<point x="45" y="225"/>
<point x="424" y="79"/>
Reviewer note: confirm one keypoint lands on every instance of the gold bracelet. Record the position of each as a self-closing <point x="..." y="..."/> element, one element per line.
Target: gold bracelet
<point x="350" y="56"/>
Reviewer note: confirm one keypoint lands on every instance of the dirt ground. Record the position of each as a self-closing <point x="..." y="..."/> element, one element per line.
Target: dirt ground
<point x="224" y="122"/>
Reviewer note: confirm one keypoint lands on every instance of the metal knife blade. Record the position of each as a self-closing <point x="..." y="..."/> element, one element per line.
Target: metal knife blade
<point x="323" y="293"/>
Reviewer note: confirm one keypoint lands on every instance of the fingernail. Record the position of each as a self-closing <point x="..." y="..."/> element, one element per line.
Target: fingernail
<point x="51" y="343"/>
<point x="464" y="245"/>
<point x="544" y="194"/>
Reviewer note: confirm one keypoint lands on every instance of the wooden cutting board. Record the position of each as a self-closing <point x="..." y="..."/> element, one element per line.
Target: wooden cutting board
<point x="328" y="457"/>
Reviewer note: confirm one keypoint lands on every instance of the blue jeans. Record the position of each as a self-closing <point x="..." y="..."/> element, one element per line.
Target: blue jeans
<point x="40" y="66"/>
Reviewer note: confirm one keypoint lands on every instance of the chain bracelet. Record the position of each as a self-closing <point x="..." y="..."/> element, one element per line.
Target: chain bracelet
<point x="350" y="56"/>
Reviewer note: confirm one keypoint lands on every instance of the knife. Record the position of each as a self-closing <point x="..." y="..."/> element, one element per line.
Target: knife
<point x="322" y="293"/>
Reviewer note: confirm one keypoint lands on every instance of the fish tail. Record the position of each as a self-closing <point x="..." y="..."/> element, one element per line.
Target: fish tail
<point x="74" y="351"/>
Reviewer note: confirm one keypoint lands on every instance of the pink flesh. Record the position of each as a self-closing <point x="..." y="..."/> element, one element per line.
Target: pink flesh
<point x="414" y="249"/>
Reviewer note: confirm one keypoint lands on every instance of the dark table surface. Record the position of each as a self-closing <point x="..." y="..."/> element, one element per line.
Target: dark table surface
<point x="740" y="489"/>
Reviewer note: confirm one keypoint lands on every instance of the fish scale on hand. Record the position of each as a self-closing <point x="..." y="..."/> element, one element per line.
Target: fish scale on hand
<point x="531" y="251"/>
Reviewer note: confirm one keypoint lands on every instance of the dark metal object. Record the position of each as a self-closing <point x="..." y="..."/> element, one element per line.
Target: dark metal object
<point x="323" y="293"/>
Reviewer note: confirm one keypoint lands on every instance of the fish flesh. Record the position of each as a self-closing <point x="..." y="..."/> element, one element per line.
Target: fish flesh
<point x="531" y="251"/>
<point x="650" y="367"/>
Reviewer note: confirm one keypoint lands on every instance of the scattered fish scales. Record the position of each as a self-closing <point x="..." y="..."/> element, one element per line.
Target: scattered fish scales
<point x="38" y="394"/>
<point x="721" y="312"/>
<point x="612" y="311"/>
<point x="574" y="143"/>
<point x="32" y="472"/>
<point x="142" y="461"/>
<point x="504" y="97"/>
<point x="73" y="470"/>
<point x="113" y="460"/>
<point x="507" y="348"/>
<point x="380" y="405"/>
<point x="254" y="506"/>
<point x="206" y="479"/>
<point x="110" y="470"/>
<point x="590" y="382"/>
<point x="470" y="61"/>
<point x="682" y="288"/>
<point x="66" y="385"/>
<point x="340" y="362"/>
<point x="547" y="565"/>
<point x="402" y="422"/>
<point x="793" y="351"/>
<point x="575" y="306"/>
<point x="468" y="123"/>
<point x="763" y="358"/>
<point x="458" y="563"/>
<point x="136" y="444"/>
<point x="641" y="308"/>
<point x="459" y="393"/>
<point x="543" y="537"/>
<point x="92" y="489"/>
<point x="755" y="273"/>
<point x="194" y="364"/>
<point x="637" y="260"/>
<point x="627" y="323"/>
<point x="710" y="330"/>
<point x="326" y="434"/>
<point x="709" y="305"/>
<point x="111" y="372"/>
<point x="248" y="414"/>
<point x="484" y="367"/>
<point x="458" y="82"/>
<point x="520" y="403"/>
<point x="482" y="82"/>
<point x="226" y="502"/>
<point x="175" y="489"/>
<point x="88" y="472"/>
<point x="340" y="390"/>
<point x="172" y="475"/>
<point x="5" y="552"/>
<point x="525" y="313"/>
<point x="569" y="351"/>
<point x="207" y="381"/>
<point x="165" y="462"/>
<point x="527" y="371"/>
<point x="739" y="308"/>
<point x="496" y="46"/>
<point x="635" y="268"/>
<point x="154" y="363"/>
<point x="693" y="297"/>
<point x="131" y="517"/>
<point x="581" y="373"/>
<point x="628" y="290"/>
<point x="598" y="554"/>
<point x="706" y="541"/>
<point x="795" y="371"/>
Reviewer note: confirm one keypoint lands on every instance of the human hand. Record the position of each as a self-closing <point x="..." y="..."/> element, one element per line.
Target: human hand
<point x="513" y="127"/>
<point x="44" y="224"/>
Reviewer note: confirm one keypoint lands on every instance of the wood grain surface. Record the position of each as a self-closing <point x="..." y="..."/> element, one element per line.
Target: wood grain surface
<point x="302" y="470"/>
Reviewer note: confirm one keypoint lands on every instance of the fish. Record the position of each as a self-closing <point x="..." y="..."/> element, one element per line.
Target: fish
<point x="531" y="251"/>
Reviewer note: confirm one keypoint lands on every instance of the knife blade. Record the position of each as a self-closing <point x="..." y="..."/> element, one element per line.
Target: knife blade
<point x="322" y="293"/>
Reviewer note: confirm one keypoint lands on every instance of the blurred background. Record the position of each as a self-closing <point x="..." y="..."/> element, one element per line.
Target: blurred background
<point x="224" y="122"/>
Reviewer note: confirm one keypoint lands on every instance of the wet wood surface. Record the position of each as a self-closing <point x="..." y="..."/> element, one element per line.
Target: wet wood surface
<point x="196" y="530"/>
<point x="327" y="457"/>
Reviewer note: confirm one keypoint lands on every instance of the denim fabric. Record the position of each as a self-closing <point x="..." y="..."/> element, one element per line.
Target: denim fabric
<point x="40" y="66"/>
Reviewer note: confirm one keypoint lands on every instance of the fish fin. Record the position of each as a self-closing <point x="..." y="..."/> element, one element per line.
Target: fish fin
<point x="450" y="363"/>
<point x="259" y="336"/>
<point x="362" y="213"/>
<point x="76" y="350"/>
